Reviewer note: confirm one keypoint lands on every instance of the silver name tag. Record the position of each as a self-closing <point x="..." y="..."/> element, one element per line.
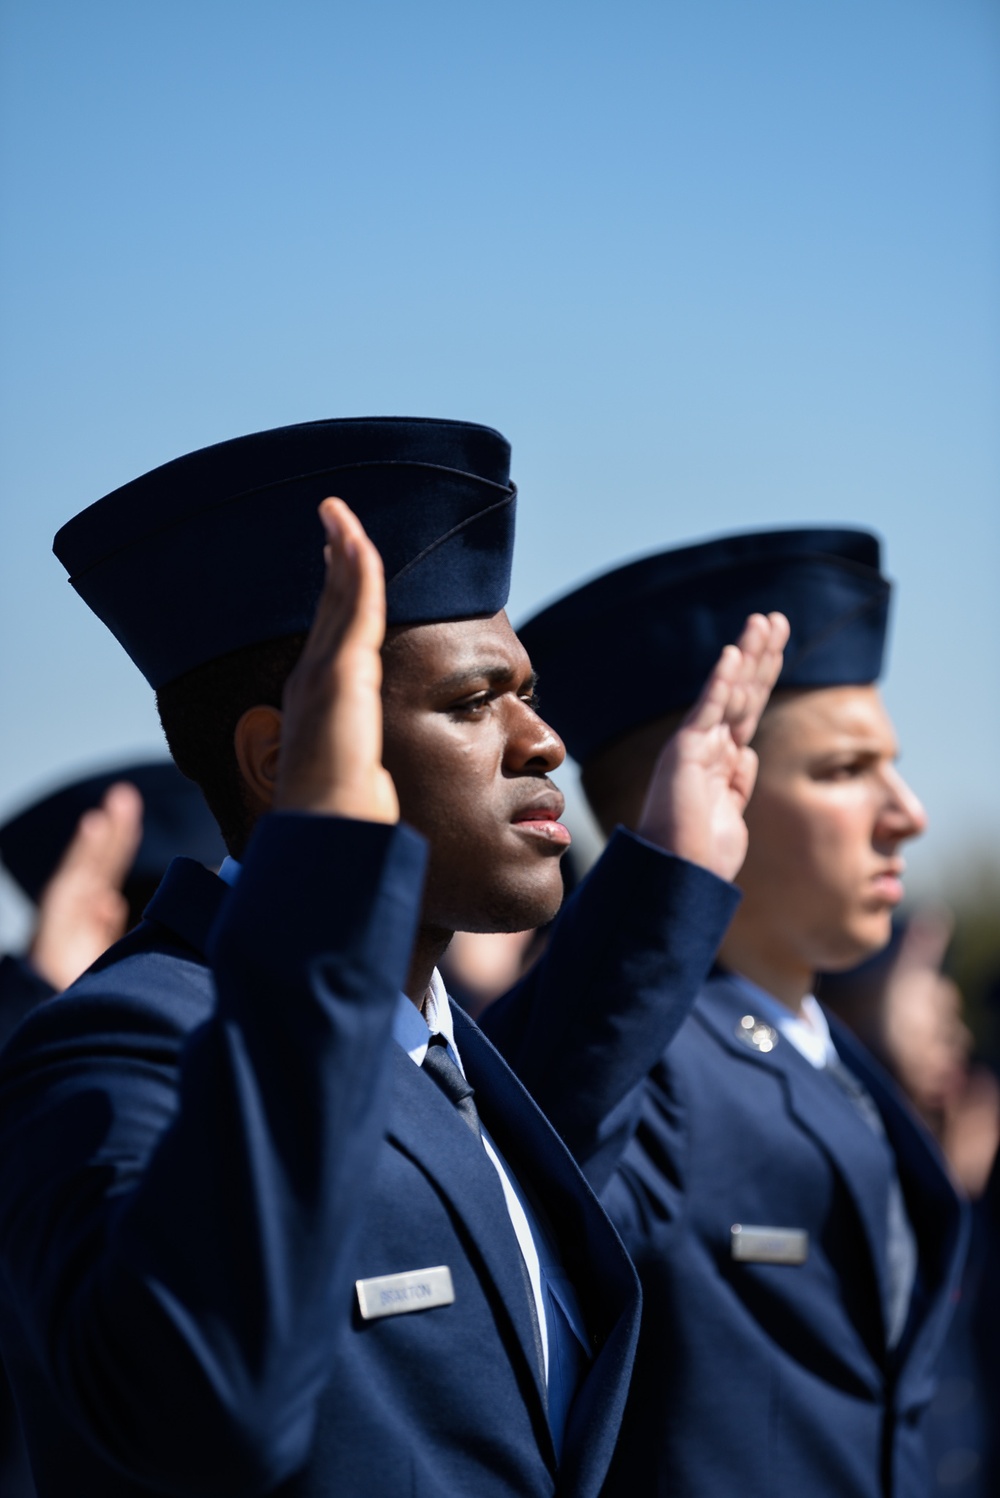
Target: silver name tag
<point x="755" y="1245"/>
<point x="415" y="1290"/>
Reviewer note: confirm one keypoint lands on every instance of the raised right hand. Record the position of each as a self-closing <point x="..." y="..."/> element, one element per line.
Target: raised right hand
<point x="330" y="759"/>
<point x="82" y="909"/>
<point x="706" y="771"/>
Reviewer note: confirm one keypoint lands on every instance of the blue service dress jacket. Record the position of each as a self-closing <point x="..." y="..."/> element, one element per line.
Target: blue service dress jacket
<point x="212" y="1136"/>
<point x="758" y="1378"/>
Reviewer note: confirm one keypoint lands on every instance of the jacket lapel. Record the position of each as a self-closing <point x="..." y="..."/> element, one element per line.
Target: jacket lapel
<point x="588" y="1245"/>
<point x="822" y="1109"/>
<point x="423" y="1123"/>
<point x="940" y="1220"/>
<point x="425" y="1126"/>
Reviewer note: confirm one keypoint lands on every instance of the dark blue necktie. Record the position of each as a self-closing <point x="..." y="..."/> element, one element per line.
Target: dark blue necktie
<point x="439" y="1065"/>
<point x="901" y="1241"/>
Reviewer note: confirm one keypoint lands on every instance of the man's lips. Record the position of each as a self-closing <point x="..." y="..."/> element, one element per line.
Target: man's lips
<point x="541" y="819"/>
<point x="888" y="884"/>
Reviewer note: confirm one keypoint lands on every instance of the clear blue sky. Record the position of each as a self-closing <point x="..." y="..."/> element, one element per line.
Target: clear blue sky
<point x="708" y="264"/>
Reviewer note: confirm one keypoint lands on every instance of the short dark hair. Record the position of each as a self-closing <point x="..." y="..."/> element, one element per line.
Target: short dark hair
<point x="199" y="713"/>
<point x="616" y="778"/>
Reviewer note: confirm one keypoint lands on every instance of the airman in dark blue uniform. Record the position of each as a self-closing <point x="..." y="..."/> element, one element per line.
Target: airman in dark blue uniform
<point x="89" y="855"/>
<point x="273" y="1216"/>
<point x="796" y="1234"/>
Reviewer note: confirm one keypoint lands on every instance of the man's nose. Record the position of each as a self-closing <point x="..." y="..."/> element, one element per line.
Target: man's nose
<point x="531" y="743"/>
<point x="903" y="815"/>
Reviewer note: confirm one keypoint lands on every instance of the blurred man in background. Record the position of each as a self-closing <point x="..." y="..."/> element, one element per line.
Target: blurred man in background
<point x="796" y="1233"/>
<point x="89" y="855"/>
<point x="909" y="1013"/>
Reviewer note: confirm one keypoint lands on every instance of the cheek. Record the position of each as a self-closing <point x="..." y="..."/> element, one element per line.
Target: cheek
<point x="807" y="845"/>
<point x="442" y="782"/>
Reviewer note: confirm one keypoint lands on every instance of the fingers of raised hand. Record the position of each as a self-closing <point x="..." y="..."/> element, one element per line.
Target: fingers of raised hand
<point x="123" y="808"/>
<point x="336" y="606"/>
<point x="331" y="732"/>
<point x="773" y="657"/>
<point x="346" y="535"/>
<point x="350" y="614"/>
<point x="744" y="776"/>
<point x="761" y="645"/>
<point x="107" y="838"/>
<point x="713" y="705"/>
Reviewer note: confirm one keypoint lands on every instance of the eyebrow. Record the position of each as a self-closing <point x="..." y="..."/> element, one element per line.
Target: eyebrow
<point x="870" y="748"/>
<point x="495" y="675"/>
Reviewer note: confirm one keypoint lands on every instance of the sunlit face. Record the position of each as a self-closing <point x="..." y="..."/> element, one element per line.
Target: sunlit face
<point x="470" y="759"/>
<point x="827" y="819"/>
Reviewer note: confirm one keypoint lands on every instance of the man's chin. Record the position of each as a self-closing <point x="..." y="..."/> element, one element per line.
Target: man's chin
<point x="511" y="908"/>
<point x="858" y="947"/>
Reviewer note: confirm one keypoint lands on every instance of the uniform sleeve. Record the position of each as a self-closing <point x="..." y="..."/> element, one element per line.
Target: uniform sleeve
<point x="21" y="988"/>
<point x="627" y="956"/>
<point x="177" y="1214"/>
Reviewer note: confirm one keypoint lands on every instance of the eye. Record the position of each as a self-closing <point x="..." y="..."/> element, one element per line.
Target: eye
<point x="530" y="699"/>
<point x="844" y="770"/>
<point x="472" y="707"/>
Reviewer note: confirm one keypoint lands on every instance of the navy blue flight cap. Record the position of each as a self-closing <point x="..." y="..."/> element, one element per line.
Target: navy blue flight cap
<point x="639" y="641"/>
<point x="223" y="548"/>
<point x="175" y="821"/>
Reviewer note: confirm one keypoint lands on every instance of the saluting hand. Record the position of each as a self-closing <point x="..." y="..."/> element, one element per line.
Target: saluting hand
<point x="706" y="771"/>
<point x="330" y="757"/>
<point x="82" y="909"/>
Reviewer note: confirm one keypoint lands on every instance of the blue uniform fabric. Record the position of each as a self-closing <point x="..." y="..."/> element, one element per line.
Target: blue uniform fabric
<point x="963" y="1438"/>
<point x="760" y="1378"/>
<point x="623" y="966"/>
<point x="211" y="1136"/>
<point x="796" y="1355"/>
<point x="21" y="990"/>
<point x="961" y="1416"/>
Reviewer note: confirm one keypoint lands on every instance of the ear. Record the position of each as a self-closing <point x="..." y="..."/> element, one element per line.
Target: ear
<point x="257" y="743"/>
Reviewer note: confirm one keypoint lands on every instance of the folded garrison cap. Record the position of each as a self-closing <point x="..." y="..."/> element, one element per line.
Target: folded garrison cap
<point x="175" y="821"/>
<point x="223" y="548"/>
<point x="639" y="641"/>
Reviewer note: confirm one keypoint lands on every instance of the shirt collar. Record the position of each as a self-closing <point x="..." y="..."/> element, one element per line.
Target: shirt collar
<point x="413" y="1031"/>
<point x="230" y="870"/>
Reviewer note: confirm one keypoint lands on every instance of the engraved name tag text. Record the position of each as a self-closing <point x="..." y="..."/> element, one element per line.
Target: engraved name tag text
<point x="756" y="1245"/>
<point x="414" y="1290"/>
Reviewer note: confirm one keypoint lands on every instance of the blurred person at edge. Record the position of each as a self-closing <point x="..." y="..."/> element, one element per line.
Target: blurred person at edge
<point x="909" y="1013"/>
<point x="797" y="1235"/>
<point x="88" y="855"/>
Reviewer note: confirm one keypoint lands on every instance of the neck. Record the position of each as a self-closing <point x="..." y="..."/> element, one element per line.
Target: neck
<point x="779" y="974"/>
<point x="428" y="949"/>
